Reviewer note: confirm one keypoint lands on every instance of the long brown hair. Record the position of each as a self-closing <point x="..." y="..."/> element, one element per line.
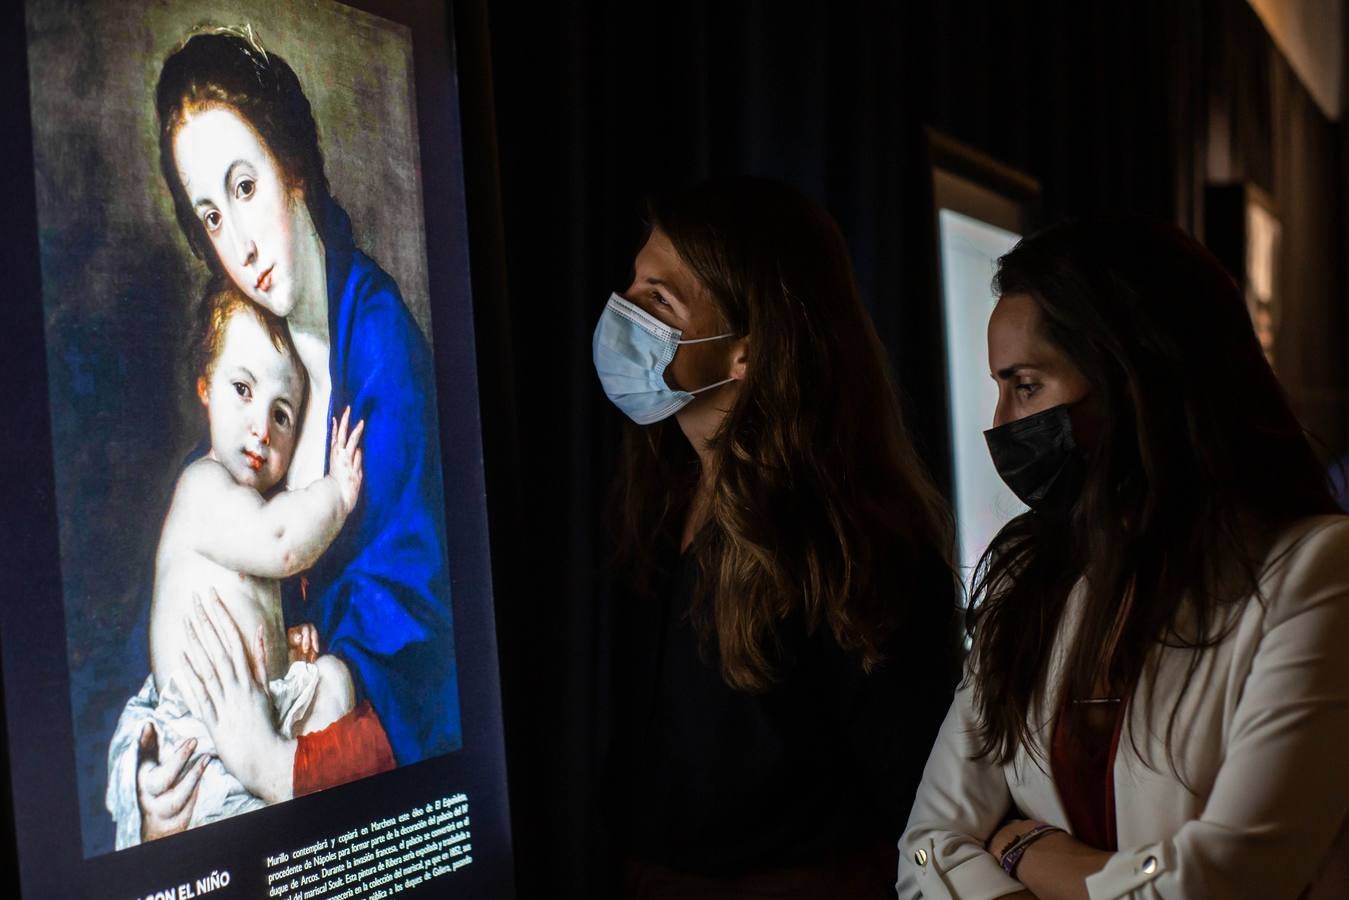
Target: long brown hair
<point x="1197" y="462"/>
<point x="820" y="505"/>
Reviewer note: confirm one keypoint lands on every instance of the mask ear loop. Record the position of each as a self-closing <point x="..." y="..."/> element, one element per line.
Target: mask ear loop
<point x="715" y="384"/>
<point x="715" y="337"/>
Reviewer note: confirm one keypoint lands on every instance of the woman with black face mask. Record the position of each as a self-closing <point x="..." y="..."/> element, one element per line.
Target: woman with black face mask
<point x="1157" y="699"/>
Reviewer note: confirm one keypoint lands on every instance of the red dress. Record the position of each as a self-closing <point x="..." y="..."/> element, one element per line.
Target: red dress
<point x="353" y="747"/>
<point x="1082" y="761"/>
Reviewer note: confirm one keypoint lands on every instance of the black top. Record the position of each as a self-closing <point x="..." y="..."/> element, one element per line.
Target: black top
<point x="716" y="781"/>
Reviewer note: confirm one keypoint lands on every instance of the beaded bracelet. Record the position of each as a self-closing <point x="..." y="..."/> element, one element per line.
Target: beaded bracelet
<point x="1012" y="853"/>
<point x="1014" y="842"/>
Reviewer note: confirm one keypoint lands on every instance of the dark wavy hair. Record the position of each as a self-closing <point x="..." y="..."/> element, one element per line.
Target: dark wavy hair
<point x="228" y="67"/>
<point x="821" y="507"/>
<point x="1198" y="462"/>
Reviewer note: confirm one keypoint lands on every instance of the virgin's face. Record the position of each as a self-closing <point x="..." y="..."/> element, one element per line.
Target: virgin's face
<point x="242" y="202"/>
<point x="1032" y="373"/>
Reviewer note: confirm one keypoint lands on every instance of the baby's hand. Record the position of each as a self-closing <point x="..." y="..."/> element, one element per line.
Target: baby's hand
<point x="304" y="642"/>
<point x="344" y="460"/>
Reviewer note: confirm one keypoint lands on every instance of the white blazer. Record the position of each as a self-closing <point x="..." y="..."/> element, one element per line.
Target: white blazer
<point x="1261" y="739"/>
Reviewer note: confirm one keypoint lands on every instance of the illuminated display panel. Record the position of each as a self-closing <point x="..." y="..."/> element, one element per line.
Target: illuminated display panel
<point x="183" y="460"/>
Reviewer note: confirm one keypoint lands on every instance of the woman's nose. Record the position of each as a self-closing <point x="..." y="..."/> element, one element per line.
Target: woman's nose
<point x="1000" y="415"/>
<point x="262" y="432"/>
<point x="245" y="250"/>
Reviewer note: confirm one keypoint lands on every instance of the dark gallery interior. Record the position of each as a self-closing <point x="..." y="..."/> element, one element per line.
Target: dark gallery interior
<point x="1099" y="108"/>
<point x="757" y="369"/>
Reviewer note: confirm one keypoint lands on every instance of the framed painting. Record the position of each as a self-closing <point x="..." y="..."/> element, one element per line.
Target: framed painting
<point x="248" y="644"/>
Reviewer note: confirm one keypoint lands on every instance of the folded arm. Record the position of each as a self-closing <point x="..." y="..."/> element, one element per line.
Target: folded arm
<point x="1280" y="796"/>
<point x="1282" y="793"/>
<point x="961" y="802"/>
<point x="1056" y="866"/>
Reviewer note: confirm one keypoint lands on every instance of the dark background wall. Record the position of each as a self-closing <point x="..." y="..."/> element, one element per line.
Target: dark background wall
<point x="1108" y="105"/>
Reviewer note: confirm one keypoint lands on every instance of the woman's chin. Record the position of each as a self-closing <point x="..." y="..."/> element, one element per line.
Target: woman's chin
<point x="277" y="299"/>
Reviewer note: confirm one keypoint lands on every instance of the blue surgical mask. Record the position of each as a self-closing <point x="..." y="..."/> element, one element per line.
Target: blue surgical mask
<point x="631" y="349"/>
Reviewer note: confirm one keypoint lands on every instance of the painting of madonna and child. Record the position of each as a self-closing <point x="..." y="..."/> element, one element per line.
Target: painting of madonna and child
<point x="243" y="394"/>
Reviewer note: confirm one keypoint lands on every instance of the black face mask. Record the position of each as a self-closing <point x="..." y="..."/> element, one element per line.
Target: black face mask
<point x="1038" y="458"/>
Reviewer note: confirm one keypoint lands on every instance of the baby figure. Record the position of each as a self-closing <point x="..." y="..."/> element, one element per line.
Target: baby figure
<point x="230" y="529"/>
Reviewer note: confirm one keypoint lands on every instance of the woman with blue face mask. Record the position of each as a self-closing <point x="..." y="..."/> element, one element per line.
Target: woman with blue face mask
<point x="1157" y="698"/>
<point x="786" y="640"/>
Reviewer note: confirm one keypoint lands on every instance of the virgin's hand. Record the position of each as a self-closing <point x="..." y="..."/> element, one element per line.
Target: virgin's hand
<point x="227" y="686"/>
<point x="344" y="459"/>
<point x="166" y="785"/>
<point x="303" y="641"/>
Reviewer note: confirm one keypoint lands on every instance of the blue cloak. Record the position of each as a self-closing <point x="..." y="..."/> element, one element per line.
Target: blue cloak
<point x="380" y="595"/>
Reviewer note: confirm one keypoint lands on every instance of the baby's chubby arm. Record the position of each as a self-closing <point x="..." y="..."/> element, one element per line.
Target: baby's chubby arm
<point x="233" y="526"/>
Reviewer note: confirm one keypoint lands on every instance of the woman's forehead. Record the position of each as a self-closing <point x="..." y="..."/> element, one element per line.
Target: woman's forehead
<point x="210" y="139"/>
<point x="658" y="262"/>
<point x="658" y="255"/>
<point x="1018" y="340"/>
<point x="1014" y="333"/>
<point x="1015" y="317"/>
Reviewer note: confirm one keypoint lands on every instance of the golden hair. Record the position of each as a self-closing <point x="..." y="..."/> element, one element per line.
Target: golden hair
<point x="222" y="302"/>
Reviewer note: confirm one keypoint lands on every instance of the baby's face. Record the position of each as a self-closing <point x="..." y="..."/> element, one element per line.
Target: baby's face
<point x="252" y="400"/>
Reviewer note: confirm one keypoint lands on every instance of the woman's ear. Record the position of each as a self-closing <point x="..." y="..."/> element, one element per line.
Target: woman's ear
<point x="740" y="358"/>
<point x="201" y="392"/>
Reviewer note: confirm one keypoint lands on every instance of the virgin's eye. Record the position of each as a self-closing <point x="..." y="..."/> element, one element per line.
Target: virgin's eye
<point x="212" y="219"/>
<point x="1027" y="390"/>
<point x="658" y="299"/>
<point x="242" y="390"/>
<point x="280" y="418"/>
<point x="245" y="188"/>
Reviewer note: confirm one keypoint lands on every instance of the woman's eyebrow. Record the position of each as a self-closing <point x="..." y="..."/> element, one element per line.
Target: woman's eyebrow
<point x="665" y="284"/>
<point x="229" y="172"/>
<point x="1012" y="371"/>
